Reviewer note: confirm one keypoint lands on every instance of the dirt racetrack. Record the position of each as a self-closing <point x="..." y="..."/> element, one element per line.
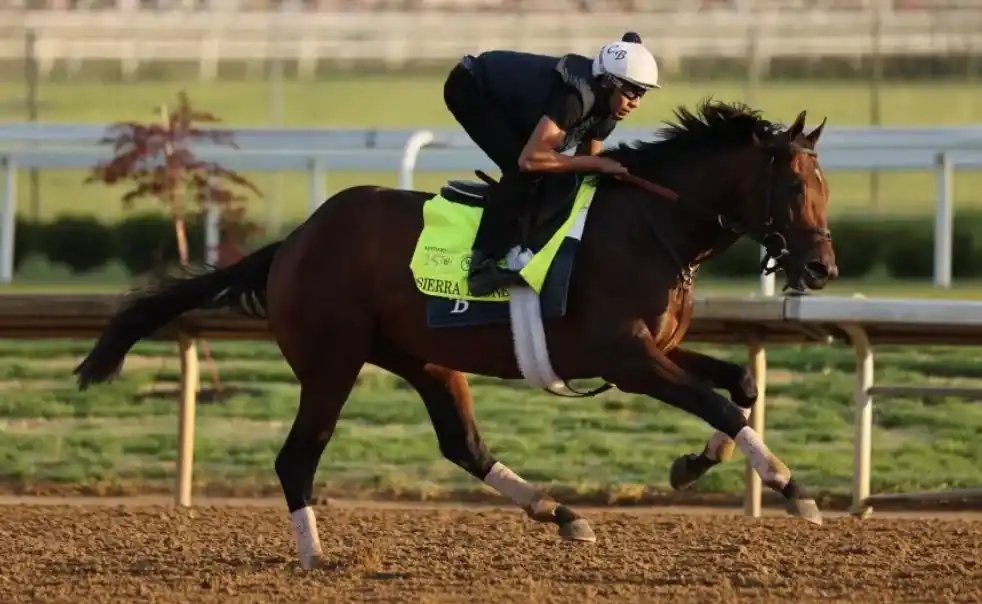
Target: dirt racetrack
<point x="401" y="553"/>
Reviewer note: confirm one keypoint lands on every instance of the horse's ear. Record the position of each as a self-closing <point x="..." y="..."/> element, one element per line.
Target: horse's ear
<point x="812" y="137"/>
<point x="797" y="127"/>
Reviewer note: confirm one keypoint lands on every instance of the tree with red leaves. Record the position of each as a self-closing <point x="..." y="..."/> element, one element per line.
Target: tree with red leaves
<point x="156" y="159"/>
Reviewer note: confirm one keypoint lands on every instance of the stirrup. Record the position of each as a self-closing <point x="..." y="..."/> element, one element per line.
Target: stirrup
<point x="489" y="277"/>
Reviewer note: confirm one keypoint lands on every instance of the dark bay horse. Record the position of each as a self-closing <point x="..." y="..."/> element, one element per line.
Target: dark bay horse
<point x="338" y="293"/>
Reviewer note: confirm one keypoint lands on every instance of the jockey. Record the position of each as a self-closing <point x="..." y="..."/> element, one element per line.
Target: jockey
<point x="526" y="111"/>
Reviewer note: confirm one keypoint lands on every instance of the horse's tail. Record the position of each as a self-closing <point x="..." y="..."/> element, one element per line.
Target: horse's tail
<point x="241" y="286"/>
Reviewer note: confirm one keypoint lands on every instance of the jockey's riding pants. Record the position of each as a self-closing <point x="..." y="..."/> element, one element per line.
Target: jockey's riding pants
<point x="488" y="125"/>
<point x="491" y="129"/>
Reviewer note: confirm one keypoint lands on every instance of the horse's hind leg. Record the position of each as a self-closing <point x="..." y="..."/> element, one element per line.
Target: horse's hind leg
<point x="739" y="382"/>
<point x="448" y="401"/>
<point x="324" y="387"/>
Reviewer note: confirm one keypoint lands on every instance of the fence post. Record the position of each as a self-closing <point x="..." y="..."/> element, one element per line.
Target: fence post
<point x="410" y="153"/>
<point x="944" y="220"/>
<point x="213" y="232"/>
<point x="9" y="219"/>
<point x="863" y="417"/>
<point x="757" y="359"/>
<point x="317" y="187"/>
<point x="190" y="381"/>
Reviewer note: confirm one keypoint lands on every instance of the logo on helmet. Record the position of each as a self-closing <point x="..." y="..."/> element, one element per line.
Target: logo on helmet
<point x="617" y="53"/>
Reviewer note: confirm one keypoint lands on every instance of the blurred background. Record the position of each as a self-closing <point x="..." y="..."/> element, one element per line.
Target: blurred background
<point x="369" y="67"/>
<point x="380" y="64"/>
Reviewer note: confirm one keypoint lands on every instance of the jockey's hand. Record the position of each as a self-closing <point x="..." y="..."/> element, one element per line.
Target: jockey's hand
<point x="609" y="166"/>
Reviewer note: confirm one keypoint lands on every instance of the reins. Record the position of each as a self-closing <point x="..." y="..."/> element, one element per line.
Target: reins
<point x="774" y="243"/>
<point x="649" y="186"/>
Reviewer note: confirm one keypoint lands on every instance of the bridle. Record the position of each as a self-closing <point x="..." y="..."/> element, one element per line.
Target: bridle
<point x="769" y="237"/>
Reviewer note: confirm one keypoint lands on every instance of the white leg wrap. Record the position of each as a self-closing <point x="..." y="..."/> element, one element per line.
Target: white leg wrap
<point x="510" y="485"/>
<point x="305" y="532"/>
<point x="760" y="456"/>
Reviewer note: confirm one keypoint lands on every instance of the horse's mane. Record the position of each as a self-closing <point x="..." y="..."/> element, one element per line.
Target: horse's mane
<point x="713" y="125"/>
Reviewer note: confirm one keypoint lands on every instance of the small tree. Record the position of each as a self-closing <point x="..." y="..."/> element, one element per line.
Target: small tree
<point x="139" y="149"/>
<point x="156" y="160"/>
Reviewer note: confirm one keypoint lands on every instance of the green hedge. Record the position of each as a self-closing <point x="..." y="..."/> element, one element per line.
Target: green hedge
<point x="903" y="248"/>
<point x="84" y="244"/>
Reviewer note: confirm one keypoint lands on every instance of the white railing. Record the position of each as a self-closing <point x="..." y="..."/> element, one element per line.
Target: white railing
<point x="861" y="323"/>
<point x="395" y="38"/>
<point x="318" y="151"/>
<point x="749" y="322"/>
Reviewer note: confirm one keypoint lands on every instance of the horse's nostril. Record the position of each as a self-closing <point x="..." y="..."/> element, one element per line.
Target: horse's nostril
<point x="818" y="269"/>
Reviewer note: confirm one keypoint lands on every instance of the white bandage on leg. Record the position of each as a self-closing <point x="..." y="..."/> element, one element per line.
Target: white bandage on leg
<point x="305" y="532"/>
<point x="511" y="485"/>
<point x="763" y="461"/>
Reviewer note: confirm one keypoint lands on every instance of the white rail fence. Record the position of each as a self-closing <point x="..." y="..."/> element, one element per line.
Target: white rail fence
<point x="940" y="150"/>
<point x="209" y="37"/>
<point x="749" y="322"/>
<point x="863" y="324"/>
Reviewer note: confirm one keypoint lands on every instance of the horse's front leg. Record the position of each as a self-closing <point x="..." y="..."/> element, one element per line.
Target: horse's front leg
<point x="739" y="382"/>
<point x="637" y="366"/>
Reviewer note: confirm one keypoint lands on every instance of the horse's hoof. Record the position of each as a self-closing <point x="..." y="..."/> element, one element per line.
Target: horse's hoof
<point x="577" y="530"/>
<point x="805" y="508"/>
<point x="682" y="475"/>
<point x="312" y="563"/>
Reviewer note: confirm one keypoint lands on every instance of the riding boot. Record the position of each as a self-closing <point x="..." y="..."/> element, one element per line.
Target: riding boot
<point x="495" y="235"/>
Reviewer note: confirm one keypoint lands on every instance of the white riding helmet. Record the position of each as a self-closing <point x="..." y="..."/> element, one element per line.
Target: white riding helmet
<point x="627" y="61"/>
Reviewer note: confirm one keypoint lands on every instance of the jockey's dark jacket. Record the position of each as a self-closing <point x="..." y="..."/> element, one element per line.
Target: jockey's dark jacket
<point x="528" y="86"/>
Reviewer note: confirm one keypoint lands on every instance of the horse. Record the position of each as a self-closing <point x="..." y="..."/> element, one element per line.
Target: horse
<point x="338" y="292"/>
